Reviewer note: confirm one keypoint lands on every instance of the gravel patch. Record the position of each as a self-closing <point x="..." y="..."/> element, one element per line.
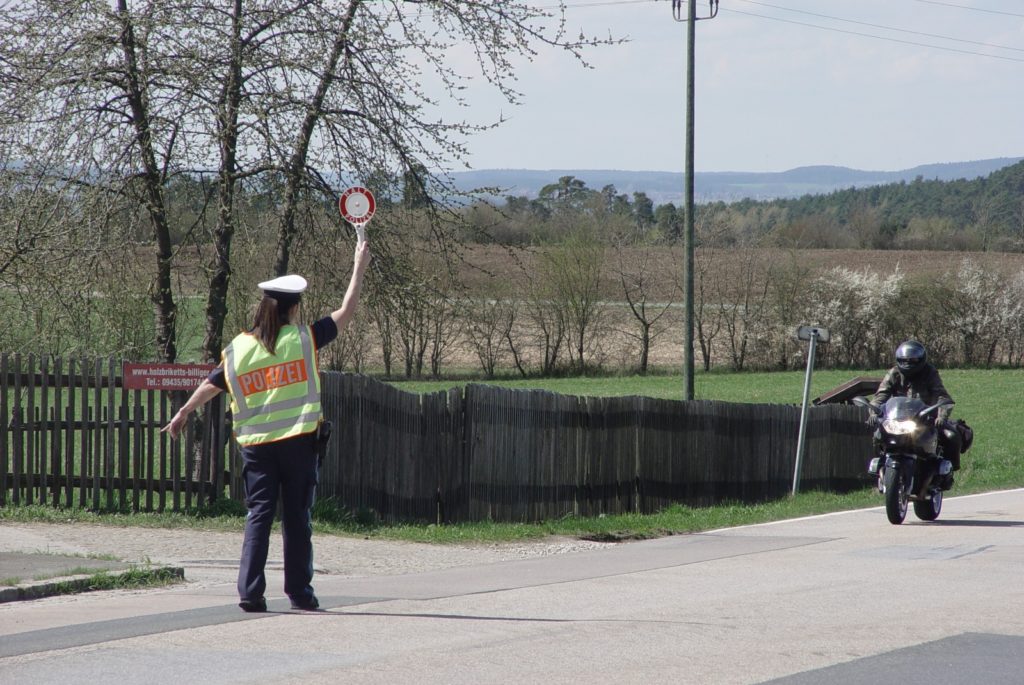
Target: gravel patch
<point x="345" y="556"/>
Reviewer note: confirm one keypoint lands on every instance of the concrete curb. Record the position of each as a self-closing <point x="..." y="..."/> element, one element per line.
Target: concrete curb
<point x="80" y="583"/>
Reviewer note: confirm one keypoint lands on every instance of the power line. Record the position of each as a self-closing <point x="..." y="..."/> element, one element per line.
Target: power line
<point x="597" y="4"/>
<point x="853" y="21"/>
<point x="870" y="35"/>
<point x="886" y="28"/>
<point x="973" y="9"/>
<point x="607" y="3"/>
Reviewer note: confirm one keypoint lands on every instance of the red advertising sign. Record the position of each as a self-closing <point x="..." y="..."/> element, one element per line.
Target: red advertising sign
<point x="165" y="376"/>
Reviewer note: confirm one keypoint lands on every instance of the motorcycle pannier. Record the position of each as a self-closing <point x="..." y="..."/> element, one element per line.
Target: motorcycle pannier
<point x="966" y="435"/>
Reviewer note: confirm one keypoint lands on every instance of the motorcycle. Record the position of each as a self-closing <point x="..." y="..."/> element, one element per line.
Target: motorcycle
<point x="910" y="466"/>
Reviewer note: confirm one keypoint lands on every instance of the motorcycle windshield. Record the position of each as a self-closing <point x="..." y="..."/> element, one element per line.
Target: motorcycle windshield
<point x="902" y="408"/>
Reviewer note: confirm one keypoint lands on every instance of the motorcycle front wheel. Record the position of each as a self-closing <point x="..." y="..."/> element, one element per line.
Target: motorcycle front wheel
<point x="896" y="496"/>
<point x="928" y="510"/>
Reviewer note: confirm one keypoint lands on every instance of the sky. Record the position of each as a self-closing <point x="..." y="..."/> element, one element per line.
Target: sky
<point x="869" y="84"/>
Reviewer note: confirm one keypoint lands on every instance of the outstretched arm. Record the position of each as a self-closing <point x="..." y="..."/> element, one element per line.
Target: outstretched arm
<point x="203" y="394"/>
<point x="344" y="314"/>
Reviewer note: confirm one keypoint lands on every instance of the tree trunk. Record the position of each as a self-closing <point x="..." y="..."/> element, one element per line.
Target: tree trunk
<point x="227" y="125"/>
<point x="152" y="178"/>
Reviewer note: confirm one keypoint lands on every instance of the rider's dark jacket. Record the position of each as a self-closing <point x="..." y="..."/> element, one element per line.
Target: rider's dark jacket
<point x="925" y="385"/>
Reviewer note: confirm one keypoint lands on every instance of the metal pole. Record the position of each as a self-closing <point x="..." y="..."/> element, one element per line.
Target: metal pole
<point x="688" y="235"/>
<point x="803" y="414"/>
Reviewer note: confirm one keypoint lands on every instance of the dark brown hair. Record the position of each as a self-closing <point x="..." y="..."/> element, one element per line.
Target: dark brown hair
<point x="271" y="315"/>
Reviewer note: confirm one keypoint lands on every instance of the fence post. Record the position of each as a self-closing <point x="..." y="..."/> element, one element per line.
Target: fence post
<point x="5" y="421"/>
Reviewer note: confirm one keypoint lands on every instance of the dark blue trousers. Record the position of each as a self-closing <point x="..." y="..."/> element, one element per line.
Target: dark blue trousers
<point x="287" y="468"/>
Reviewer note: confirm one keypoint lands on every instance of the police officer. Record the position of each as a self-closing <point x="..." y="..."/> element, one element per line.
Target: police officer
<point x="913" y="376"/>
<point x="271" y="374"/>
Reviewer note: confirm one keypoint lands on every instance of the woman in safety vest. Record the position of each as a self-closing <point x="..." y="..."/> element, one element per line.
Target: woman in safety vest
<point x="271" y="374"/>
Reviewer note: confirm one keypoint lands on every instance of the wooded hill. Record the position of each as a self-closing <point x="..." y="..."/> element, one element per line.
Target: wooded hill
<point x="981" y="214"/>
<point x="719" y="186"/>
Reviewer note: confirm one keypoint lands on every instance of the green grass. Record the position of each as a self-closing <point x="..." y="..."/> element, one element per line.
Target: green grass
<point x="229" y="516"/>
<point x="127" y="580"/>
<point x="673" y="520"/>
<point x="986" y="399"/>
<point x="784" y="387"/>
<point x="329" y="518"/>
<point x="136" y="577"/>
<point x="70" y="571"/>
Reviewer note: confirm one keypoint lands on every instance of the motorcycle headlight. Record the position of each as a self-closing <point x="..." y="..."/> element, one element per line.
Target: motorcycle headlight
<point x="904" y="427"/>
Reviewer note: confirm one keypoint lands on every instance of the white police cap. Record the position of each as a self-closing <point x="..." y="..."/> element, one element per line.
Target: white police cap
<point x="290" y="284"/>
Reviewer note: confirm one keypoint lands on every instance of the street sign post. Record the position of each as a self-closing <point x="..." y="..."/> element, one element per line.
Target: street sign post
<point x="812" y="334"/>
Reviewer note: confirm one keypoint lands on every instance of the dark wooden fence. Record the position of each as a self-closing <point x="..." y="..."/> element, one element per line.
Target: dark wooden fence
<point x="73" y="437"/>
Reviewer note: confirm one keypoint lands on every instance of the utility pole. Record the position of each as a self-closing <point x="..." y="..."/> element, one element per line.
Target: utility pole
<point x="688" y="238"/>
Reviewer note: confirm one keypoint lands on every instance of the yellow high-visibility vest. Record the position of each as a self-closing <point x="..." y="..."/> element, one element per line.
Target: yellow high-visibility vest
<point x="273" y="396"/>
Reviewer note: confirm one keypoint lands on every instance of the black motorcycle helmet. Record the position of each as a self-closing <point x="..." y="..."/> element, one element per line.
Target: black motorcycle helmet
<point x="911" y="358"/>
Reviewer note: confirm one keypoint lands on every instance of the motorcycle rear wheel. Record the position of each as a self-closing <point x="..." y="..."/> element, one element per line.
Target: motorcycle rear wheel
<point x="896" y="496"/>
<point x="928" y="510"/>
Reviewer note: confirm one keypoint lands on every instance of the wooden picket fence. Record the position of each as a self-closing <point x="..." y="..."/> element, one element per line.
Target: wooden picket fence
<point x="72" y="436"/>
<point x="489" y="453"/>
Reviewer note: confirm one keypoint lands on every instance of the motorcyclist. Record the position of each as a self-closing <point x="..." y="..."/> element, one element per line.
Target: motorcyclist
<point x="913" y="376"/>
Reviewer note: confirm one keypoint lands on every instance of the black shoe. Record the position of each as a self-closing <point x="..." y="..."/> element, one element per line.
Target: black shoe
<point x="310" y="603"/>
<point x="947" y="482"/>
<point x="257" y="605"/>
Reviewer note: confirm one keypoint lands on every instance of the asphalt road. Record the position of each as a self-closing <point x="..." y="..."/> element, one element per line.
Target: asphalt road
<point x="842" y="599"/>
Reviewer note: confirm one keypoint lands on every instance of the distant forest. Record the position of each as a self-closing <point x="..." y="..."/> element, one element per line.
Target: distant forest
<point x="983" y="214"/>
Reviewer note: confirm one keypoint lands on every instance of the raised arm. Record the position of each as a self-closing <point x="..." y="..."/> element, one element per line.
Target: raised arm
<point x="347" y="310"/>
